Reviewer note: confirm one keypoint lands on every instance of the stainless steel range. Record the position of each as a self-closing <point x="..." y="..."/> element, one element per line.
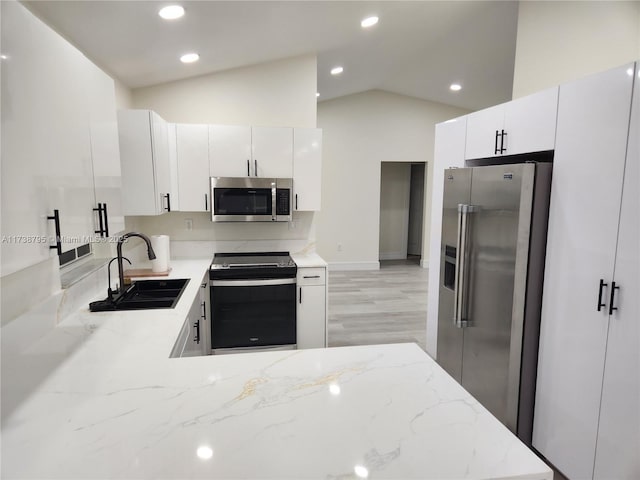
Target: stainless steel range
<point x="253" y="302"/>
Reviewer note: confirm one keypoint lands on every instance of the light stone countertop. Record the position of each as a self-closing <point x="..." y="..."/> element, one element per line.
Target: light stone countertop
<point x="116" y="406"/>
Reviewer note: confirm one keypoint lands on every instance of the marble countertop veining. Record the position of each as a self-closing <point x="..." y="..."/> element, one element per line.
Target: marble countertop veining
<point x="117" y="406"/>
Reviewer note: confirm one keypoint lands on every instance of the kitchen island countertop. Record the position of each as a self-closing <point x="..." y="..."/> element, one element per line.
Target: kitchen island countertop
<point x="104" y="400"/>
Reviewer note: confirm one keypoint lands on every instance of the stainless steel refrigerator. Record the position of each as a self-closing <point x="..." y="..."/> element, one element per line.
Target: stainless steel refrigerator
<point x="494" y="227"/>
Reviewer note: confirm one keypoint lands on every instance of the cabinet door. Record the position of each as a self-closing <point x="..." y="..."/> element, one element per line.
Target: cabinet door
<point x="481" y="132"/>
<point x="307" y="168"/>
<point x="105" y="150"/>
<point x="311" y="317"/>
<point x="230" y="151"/>
<point x="619" y="427"/>
<point x="144" y="160"/>
<point x="192" y="147"/>
<point x="591" y="141"/>
<point x="193" y="345"/>
<point x="272" y="149"/>
<point x="530" y="123"/>
<point x="138" y="178"/>
<point x="160" y="157"/>
<point x="28" y="107"/>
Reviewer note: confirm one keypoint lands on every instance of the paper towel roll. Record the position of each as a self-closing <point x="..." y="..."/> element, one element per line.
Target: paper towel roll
<point x="160" y="244"/>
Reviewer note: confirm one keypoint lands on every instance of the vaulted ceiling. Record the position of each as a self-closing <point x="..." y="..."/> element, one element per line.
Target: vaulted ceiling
<point x="418" y="48"/>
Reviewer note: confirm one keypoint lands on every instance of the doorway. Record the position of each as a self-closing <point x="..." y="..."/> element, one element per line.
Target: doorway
<point x="401" y="210"/>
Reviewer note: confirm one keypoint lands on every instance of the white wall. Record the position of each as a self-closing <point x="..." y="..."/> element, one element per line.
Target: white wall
<point x="395" y="187"/>
<point x="562" y="41"/>
<point x="281" y="93"/>
<point x="359" y="132"/>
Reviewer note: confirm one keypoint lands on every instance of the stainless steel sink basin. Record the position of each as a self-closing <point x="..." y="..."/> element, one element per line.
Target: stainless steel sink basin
<point x="143" y="295"/>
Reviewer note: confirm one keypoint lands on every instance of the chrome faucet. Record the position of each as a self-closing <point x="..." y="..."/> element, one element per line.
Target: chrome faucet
<point x="151" y="254"/>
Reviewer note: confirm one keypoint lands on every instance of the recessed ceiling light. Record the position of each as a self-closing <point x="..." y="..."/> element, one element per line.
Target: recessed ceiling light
<point x="171" y="12"/>
<point x="317" y="94"/>
<point x="369" y="22"/>
<point x="455" y="87"/>
<point x="337" y="70"/>
<point x="189" y="58"/>
<point x="3" y="57"/>
<point x="630" y="72"/>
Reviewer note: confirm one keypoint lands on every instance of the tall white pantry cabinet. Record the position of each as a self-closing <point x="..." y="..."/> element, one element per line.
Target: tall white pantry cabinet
<point x="59" y="145"/>
<point x="587" y="417"/>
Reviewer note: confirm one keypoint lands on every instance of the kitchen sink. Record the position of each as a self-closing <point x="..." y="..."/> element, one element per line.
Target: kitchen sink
<point x="144" y="295"/>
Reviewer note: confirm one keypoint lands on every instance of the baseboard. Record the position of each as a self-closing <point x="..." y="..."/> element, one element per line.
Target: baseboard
<point x="392" y="256"/>
<point x="344" y="266"/>
<point x="424" y="263"/>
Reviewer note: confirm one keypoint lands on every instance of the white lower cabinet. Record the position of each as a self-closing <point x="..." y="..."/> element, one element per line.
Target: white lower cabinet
<point x="191" y="341"/>
<point x="311" y="328"/>
<point x="587" y="408"/>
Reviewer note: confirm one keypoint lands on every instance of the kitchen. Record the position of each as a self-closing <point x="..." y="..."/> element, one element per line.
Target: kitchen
<point x="204" y="238"/>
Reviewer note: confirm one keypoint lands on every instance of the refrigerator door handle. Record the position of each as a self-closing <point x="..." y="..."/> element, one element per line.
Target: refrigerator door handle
<point x="460" y="294"/>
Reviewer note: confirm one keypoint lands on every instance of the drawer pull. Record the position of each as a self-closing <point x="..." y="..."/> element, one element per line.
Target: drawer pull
<point x="311" y="276"/>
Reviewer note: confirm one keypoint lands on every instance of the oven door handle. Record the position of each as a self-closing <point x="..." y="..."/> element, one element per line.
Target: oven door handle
<point x="252" y="283"/>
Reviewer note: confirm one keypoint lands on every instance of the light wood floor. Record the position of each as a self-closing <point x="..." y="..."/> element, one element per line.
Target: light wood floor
<point x="379" y="306"/>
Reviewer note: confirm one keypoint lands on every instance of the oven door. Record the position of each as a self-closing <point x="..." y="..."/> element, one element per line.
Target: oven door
<point x="253" y="314"/>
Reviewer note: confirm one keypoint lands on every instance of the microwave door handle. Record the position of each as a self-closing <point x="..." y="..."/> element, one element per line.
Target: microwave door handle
<point x="274" y="213"/>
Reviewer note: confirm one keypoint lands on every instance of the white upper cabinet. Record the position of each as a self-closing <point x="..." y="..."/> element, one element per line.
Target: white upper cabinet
<point x="530" y="123"/>
<point x="239" y="151"/>
<point x="192" y="152"/>
<point x="230" y="151"/>
<point x="105" y="153"/>
<point x="524" y="125"/>
<point x="52" y="127"/>
<point x="307" y="168"/>
<point x="144" y="158"/>
<point x="483" y="130"/>
<point x="583" y="235"/>
<point x="272" y="149"/>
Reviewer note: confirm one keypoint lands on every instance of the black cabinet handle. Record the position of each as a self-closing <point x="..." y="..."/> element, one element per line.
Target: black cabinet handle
<point x="106" y="220"/>
<point x="197" y="327"/>
<point x="248" y="172"/>
<point x="168" y="197"/>
<point x="100" y="230"/>
<point x="103" y="220"/>
<point x="600" y="303"/>
<point x="502" y="147"/>
<point x="255" y="166"/>
<point x="296" y="201"/>
<point x="300" y="295"/>
<point x="206" y="202"/>
<point x="56" y="221"/>
<point x="614" y="287"/>
<point x="495" y="150"/>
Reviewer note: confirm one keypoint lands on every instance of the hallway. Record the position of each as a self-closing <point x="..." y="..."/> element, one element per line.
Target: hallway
<point x="379" y="306"/>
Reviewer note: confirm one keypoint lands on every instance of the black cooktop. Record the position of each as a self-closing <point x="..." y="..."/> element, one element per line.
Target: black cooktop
<point x="252" y="265"/>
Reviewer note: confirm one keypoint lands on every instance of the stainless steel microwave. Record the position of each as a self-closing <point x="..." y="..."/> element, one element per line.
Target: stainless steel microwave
<point x="251" y="199"/>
